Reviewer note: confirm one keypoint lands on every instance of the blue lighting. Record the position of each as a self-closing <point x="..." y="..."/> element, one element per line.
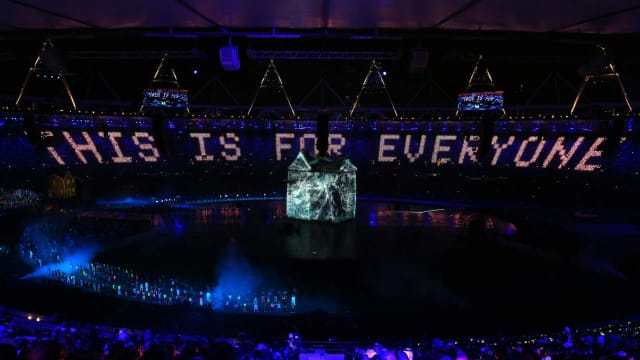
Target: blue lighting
<point x="178" y="226"/>
<point x="373" y="219"/>
<point x="177" y="203"/>
<point x="234" y="276"/>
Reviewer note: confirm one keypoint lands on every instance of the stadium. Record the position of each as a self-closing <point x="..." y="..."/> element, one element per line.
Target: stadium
<point x="297" y="179"/>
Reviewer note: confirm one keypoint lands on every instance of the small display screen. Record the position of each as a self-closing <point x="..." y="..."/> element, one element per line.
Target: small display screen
<point x="486" y="100"/>
<point x="165" y="98"/>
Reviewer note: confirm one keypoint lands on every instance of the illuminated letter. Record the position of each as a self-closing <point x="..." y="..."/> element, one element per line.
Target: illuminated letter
<point x="437" y="148"/>
<point x="203" y="150"/>
<point x="334" y="148"/>
<point x="561" y="151"/>
<point x="55" y="155"/>
<point x="407" y="143"/>
<point x="499" y="147"/>
<point x="384" y="147"/>
<point x="119" y="158"/>
<point x="468" y="150"/>
<point x="146" y="146"/>
<point x="536" y="154"/>
<point x="303" y="142"/>
<point x="593" y="152"/>
<point x="50" y="149"/>
<point x="89" y="146"/>
<point x="282" y="146"/>
<point x="230" y="146"/>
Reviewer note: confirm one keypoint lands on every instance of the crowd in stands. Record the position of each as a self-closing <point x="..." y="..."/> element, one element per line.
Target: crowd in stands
<point x="29" y="336"/>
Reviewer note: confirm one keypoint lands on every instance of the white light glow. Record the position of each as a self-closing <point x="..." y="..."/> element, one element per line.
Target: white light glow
<point x="280" y="145"/>
<point x="335" y="148"/>
<point x="525" y="163"/>
<point x="439" y="148"/>
<point x="383" y="146"/>
<point x="407" y="145"/>
<point x="500" y="147"/>
<point x="120" y="158"/>
<point x="592" y="153"/>
<point x="79" y="148"/>
<point x="231" y="150"/>
<point x="558" y="148"/>
<point x="52" y="151"/>
<point x="303" y="143"/>
<point x="146" y="147"/>
<point x="203" y="156"/>
<point x="467" y="150"/>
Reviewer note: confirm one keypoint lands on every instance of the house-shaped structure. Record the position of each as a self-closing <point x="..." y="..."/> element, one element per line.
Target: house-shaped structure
<point x="321" y="188"/>
<point x="61" y="187"/>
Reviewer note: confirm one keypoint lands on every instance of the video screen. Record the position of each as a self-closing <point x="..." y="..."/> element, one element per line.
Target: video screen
<point x="481" y="101"/>
<point x="165" y="99"/>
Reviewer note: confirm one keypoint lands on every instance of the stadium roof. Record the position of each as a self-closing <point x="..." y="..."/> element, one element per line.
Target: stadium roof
<point x="582" y="16"/>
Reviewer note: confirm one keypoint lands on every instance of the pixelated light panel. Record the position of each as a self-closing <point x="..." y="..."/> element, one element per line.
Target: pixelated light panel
<point x="80" y="141"/>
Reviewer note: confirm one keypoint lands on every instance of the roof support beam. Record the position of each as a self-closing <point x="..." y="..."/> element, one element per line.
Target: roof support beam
<point x="56" y="14"/>
<point x="461" y="10"/>
<point x="599" y="17"/>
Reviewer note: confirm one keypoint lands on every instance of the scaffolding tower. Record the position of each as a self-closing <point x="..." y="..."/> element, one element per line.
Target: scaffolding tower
<point x="164" y="78"/>
<point x="373" y="82"/>
<point x="271" y="80"/>
<point x="480" y="80"/>
<point x="601" y="70"/>
<point x="48" y="65"/>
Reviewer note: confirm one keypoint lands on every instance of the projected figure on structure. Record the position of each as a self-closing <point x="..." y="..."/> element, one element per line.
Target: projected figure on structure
<point x="320" y="187"/>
